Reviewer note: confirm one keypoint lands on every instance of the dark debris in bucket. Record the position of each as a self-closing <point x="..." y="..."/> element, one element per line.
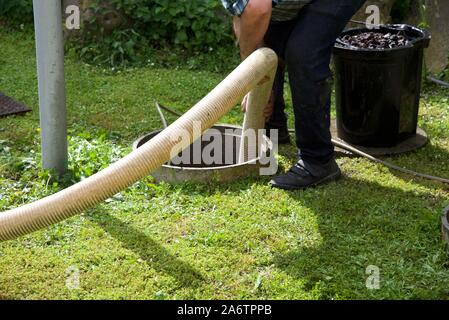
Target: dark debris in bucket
<point x="9" y="107"/>
<point x="376" y="40"/>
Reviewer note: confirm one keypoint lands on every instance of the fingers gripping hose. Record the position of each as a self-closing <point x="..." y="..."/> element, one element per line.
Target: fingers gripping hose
<point x="141" y="162"/>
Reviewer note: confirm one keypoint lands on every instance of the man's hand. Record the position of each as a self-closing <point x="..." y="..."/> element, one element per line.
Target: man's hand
<point x="267" y="112"/>
<point x="251" y="26"/>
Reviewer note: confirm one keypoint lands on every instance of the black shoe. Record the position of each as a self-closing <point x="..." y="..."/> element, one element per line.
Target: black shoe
<point x="283" y="134"/>
<point x="303" y="175"/>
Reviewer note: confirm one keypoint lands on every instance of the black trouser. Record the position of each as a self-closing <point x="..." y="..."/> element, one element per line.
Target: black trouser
<point x="304" y="46"/>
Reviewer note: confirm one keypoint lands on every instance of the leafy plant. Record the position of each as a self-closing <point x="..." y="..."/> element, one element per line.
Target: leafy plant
<point x="188" y="26"/>
<point x="91" y="153"/>
<point x="20" y="11"/>
<point x="445" y="74"/>
<point x="121" y="48"/>
<point x="401" y="9"/>
<point x="194" y="26"/>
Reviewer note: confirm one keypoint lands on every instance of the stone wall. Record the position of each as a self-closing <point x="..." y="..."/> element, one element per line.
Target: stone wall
<point x="437" y="18"/>
<point x="384" y="6"/>
<point x="108" y="22"/>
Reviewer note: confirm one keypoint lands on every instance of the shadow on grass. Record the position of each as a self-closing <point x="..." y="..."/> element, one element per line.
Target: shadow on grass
<point x="149" y="250"/>
<point x="362" y="224"/>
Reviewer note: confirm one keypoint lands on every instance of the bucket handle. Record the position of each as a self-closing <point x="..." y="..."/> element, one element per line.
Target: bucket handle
<point x="425" y="38"/>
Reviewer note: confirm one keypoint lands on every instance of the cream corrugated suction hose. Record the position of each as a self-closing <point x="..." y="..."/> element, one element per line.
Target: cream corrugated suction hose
<point x="254" y="118"/>
<point x="143" y="161"/>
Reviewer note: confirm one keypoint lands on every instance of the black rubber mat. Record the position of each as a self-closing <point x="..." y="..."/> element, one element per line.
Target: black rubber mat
<point x="9" y="107"/>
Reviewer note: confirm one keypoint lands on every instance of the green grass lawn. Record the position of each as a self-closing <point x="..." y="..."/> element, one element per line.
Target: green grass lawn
<point x="222" y="241"/>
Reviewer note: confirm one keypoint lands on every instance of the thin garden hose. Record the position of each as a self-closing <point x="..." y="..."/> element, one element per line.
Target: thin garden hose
<point x="161" y="115"/>
<point x="343" y="145"/>
<point x="141" y="162"/>
<point x="347" y="147"/>
<point x="439" y="82"/>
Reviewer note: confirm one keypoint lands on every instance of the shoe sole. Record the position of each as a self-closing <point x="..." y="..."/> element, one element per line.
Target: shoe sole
<point x="333" y="177"/>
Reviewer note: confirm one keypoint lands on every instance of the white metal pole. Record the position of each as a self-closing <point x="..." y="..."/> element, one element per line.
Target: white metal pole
<point x="50" y="68"/>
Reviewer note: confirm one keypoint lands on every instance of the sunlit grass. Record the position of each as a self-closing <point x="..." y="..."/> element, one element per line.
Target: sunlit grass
<point x="219" y="241"/>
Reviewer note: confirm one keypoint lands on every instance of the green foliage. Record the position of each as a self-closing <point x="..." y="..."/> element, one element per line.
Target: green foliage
<point x="89" y="153"/>
<point x="17" y="10"/>
<point x="120" y="48"/>
<point x="145" y="27"/>
<point x="189" y="23"/>
<point x="445" y="74"/>
<point x="193" y="26"/>
<point x="401" y="9"/>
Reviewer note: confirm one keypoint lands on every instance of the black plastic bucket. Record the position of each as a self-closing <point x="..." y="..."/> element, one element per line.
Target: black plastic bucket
<point x="378" y="90"/>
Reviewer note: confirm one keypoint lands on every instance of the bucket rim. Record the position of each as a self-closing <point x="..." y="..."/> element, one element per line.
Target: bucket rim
<point x="424" y="37"/>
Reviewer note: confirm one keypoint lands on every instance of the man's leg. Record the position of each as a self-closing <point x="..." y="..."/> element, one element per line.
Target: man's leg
<point x="278" y="120"/>
<point x="308" y="55"/>
<point x="276" y="38"/>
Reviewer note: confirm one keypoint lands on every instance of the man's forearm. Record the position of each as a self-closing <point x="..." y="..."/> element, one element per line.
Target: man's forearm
<point x="251" y="27"/>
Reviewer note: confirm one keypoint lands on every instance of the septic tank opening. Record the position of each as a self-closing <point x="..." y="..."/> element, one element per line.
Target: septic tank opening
<point x="203" y="161"/>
